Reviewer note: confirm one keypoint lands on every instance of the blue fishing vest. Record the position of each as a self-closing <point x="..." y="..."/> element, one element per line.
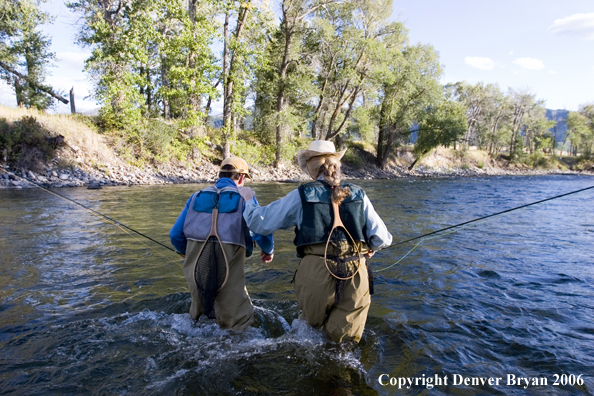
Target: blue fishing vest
<point x="318" y="216"/>
<point x="230" y="224"/>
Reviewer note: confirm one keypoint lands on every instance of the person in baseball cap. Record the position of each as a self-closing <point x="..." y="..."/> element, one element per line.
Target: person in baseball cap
<point x="213" y="237"/>
<point x="235" y="165"/>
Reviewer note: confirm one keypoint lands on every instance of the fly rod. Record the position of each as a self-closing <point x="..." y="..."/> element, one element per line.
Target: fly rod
<point x="488" y="216"/>
<point x="115" y="222"/>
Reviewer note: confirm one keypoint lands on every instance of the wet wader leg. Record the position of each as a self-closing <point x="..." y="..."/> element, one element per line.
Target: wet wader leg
<point x="346" y="321"/>
<point x="193" y="249"/>
<point x="314" y="288"/>
<point x="233" y="307"/>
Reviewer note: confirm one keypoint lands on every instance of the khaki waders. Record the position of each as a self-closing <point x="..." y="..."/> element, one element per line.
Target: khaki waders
<point x="315" y="290"/>
<point x="233" y="307"/>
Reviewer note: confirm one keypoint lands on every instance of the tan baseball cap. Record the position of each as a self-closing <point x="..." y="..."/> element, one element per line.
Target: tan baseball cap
<point x="238" y="163"/>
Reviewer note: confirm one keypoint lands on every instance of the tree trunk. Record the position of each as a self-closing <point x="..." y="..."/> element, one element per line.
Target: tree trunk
<point x="72" y="106"/>
<point x="32" y="83"/>
<point x="165" y="84"/>
<point x="280" y="99"/>
<point x="229" y="65"/>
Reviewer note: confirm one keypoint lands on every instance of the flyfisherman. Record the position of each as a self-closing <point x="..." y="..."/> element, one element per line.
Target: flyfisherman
<point x="213" y="236"/>
<point x="337" y="230"/>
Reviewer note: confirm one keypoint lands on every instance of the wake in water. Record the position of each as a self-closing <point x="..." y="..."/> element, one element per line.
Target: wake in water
<point x="154" y="352"/>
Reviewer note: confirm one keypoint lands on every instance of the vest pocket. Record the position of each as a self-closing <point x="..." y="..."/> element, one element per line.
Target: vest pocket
<point x="205" y="201"/>
<point x="229" y="202"/>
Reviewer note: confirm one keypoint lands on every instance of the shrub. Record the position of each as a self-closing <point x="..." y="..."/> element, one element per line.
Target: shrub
<point x="539" y="160"/>
<point x="352" y="158"/>
<point x="157" y="136"/>
<point x="459" y="154"/>
<point x="25" y="143"/>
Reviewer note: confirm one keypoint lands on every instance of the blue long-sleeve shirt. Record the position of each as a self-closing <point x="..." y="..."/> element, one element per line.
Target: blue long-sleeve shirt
<point x="179" y="240"/>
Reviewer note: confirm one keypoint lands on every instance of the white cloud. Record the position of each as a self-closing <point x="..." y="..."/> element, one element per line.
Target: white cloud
<point x="552" y="72"/>
<point x="578" y="25"/>
<point x="480" y="63"/>
<point x="529" y="63"/>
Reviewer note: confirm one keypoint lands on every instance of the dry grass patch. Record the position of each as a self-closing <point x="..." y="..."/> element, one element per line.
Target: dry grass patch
<point x="82" y="144"/>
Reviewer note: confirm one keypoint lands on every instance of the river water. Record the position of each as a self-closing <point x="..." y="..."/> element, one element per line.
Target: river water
<point x="87" y="309"/>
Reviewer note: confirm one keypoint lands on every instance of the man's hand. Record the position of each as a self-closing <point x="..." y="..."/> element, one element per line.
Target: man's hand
<point x="247" y="193"/>
<point x="266" y="258"/>
<point x="369" y="253"/>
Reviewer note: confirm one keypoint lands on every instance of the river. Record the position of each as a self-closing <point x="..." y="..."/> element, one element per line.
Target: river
<point x="86" y="308"/>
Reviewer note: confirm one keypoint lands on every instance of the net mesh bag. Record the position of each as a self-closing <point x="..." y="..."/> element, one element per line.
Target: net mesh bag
<point x="342" y="259"/>
<point x="210" y="274"/>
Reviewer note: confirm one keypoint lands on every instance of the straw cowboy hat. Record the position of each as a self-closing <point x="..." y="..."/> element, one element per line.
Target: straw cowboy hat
<point x="317" y="148"/>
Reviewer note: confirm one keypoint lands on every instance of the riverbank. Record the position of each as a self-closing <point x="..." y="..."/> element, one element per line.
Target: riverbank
<point x="56" y="174"/>
<point x="76" y="155"/>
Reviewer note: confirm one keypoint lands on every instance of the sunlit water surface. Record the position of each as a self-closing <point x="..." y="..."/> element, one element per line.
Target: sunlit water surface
<point x="86" y="308"/>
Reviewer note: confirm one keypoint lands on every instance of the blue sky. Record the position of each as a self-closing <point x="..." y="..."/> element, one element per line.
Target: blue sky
<point x="543" y="46"/>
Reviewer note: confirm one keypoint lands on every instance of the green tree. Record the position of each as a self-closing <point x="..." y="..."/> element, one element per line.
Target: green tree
<point x="486" y="110"/>
<point x="413" y="86"/>
<point x="188" y="65"/>
<point x="243" y="49"/>
<point x="537" y="129"/>
<point x="524" y="105"/>
<point x="149" y="57"/>
<point x="353" y="45"/>
<point x="441" y="125"/>
<point x="107" y="30"/>
<point x="588" y="136"/>
<point x="579" y="130"/>
<point x="26" y="52"/>
<point x="293" y="28"/>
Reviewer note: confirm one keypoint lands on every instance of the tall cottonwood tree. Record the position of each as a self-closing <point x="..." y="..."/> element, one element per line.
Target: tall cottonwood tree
<point x="411" y="87"/>
<point x="354" y="42"/>
<point x="441" y="124"/>
<point x="292" y="29"/>
<point x="145" y="52"/>
<point x="246" y="24"/>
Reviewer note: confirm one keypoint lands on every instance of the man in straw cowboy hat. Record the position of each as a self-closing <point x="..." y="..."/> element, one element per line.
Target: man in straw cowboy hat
<point x="213" y="236"/>
<point x="337" y="230"/>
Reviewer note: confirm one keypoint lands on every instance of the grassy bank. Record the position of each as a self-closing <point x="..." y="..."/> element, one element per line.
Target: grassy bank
<point x="158" y="152"/>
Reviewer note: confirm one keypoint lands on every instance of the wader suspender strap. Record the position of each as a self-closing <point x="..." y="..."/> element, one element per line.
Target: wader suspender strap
<point x="338" y="223"/>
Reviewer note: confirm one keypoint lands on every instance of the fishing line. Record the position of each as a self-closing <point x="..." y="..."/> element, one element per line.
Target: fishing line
<point x="453" y="228"/>
<point x="109" y="219"/>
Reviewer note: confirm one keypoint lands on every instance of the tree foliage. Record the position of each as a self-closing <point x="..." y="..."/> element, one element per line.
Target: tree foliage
<point x="324" y="69"/>
<point x="26" y="50"/>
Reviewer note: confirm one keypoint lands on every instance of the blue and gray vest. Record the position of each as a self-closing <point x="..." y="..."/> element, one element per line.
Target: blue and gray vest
<point x="318" y="216"/>
<point x="231" y="227"/>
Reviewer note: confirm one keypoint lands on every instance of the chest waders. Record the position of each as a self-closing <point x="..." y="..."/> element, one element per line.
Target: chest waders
<point x="342" y="255"/>
<point x="212" y="267"/>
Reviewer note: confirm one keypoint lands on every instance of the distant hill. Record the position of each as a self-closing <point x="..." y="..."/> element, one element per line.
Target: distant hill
<point x="216" y="121"/>
<point x="560" y="129"/>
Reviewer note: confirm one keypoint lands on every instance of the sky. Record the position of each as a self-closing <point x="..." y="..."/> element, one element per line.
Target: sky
<point x="545" y="47"/>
